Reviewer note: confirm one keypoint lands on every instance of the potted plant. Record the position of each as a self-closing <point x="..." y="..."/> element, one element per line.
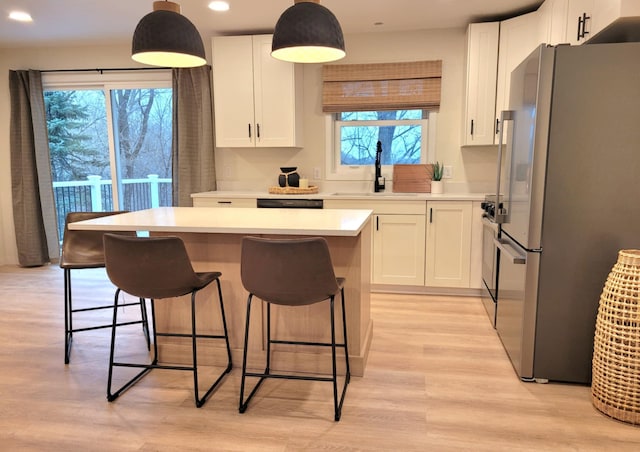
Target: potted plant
<point x="436" y="181"/>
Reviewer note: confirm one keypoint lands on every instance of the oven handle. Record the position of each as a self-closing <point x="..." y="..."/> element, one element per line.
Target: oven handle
<point x="510" y="252"/>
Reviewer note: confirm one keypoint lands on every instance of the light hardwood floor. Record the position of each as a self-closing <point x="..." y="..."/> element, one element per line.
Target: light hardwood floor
<point x="437" y="379"/>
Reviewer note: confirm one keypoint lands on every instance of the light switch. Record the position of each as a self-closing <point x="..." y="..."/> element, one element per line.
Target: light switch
<point x="447" y="172"/>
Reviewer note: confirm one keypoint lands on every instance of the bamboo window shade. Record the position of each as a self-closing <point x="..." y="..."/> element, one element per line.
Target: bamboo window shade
<point x="381" y="86"/>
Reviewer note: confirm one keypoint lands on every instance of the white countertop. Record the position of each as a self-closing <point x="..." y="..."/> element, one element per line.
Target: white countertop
<point x="382" y="196"/>
<point x="321" y="222"/>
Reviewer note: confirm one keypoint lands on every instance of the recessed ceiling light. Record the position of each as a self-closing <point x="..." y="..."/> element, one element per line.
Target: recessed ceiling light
<point x="20" y="16"/>
<point x="219" y="6"/>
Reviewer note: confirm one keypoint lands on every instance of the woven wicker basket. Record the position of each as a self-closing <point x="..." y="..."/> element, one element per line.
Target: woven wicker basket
<point x="615" y="387"/>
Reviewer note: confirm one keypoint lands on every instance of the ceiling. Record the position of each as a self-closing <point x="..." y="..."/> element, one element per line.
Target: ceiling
<point x="90" y="22"/>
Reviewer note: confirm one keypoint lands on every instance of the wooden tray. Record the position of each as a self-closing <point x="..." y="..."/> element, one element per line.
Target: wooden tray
<point x="293" y="190"/>
<point x="412" y="178"/>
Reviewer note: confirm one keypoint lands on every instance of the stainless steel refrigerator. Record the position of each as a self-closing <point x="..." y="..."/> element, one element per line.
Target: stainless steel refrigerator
<point x="571" y="200"/>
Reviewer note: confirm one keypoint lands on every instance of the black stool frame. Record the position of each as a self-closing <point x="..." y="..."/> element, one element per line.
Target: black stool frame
<point x="337" y="403"/>
<point x="111" y="396"/>
<point x="69" y="310"/>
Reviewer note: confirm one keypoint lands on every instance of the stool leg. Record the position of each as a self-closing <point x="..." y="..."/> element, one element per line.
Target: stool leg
<point x="242" y="407"/>
<point x="194" y="350"/>
<point x="201" y="401"/>
<point x="344" y="332"/>
<point x="68" y="325"/>
<point x="146" y="368"/>
<point x="268" y="365"/>
<point x="110" y="396"/>
<point x="333" y="360"/>
<point x="145" y="322"/>
<point x="224" y="327"/>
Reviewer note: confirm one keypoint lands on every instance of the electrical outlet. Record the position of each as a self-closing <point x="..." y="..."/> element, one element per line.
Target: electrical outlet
<point x="447" y="172"/>
<point x="316" y="173"/>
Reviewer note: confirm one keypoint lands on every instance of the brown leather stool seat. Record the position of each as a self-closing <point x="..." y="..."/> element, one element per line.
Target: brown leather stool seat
<point x="155" y="268"/>
<point x="292" y="272"/>
<point x="82" y="250"/>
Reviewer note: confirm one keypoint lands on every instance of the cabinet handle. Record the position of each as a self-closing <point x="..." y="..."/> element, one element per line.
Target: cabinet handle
<point x="257" y="130"/>
<point x="579" y="27"/>
<point x="377" y="223"/>
<point x="582" y="26"/>
<point x="430" y="214"/>
<point x="249" y="125"/>
<point x="497" y="126"/>
<point x="224" y="202"/>
<point x="472" y="127"/>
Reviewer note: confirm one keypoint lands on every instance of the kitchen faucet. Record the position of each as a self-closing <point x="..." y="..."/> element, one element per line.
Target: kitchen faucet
<point x="378" y="183"/>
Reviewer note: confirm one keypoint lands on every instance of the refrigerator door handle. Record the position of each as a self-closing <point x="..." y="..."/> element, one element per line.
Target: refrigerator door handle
<point x="508" y="252"/>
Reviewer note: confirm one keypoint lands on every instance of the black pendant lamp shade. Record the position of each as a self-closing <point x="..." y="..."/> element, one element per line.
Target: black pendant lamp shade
<point x="308" y="32"/>
<point x="166" y="38"/>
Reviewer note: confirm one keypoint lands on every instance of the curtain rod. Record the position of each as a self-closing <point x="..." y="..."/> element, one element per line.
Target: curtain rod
<point x="101" y="71"/>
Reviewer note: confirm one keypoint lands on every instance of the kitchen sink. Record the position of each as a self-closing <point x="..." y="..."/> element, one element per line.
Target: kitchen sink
<point x="371" y="193"/>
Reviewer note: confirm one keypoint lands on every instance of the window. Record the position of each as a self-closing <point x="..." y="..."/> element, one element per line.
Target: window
<point x="110" y="144"/>
<point x="393" y="103"/>
<point x="399" y="131"/>
<point x="406" y="136"/>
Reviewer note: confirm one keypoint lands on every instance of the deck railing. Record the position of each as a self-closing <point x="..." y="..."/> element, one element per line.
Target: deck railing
<point x="95" y="195"/>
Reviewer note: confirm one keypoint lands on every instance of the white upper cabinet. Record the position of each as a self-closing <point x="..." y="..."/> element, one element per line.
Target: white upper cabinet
<point x="480" y="88"/>
<point x="605" y="12"/>
<point x="552" y="22"/>
<point x="579" y="21"/>
<point x="258" y="99"/>
<point x="518" y="38"/>
<point x="576" y="21"/>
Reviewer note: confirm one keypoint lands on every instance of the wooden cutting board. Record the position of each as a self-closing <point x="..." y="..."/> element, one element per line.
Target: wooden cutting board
<point x="412" y="178"/>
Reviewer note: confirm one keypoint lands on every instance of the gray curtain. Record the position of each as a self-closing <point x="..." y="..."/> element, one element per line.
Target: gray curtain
<point x="34" y="211"/>
<point x="193" y="149"/>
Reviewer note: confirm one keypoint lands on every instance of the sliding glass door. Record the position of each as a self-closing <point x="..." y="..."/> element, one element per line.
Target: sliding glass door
<point x="110" y="146"/>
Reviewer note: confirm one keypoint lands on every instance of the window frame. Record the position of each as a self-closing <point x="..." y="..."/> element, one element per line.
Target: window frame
<point x="336" y="171"/>
<point x="107" y="81"/>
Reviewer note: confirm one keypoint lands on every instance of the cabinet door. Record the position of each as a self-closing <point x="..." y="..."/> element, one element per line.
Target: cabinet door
<point x="553" y="22"/>
<point x="448" y="252"/>
<point x="579" y="21"/>
<point x="223" y="202"/>
<point x="398" y="249"/>
<point x="480" y="94"/>
<point x="278" y="97"/>
<point x="233" y="91"/>
<point x="606" y="12"/>
<point x="518" y="38"/>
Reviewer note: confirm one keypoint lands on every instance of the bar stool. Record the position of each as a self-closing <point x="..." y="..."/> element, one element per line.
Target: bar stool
<point x="83" y="250"/>
<point x="292" y="272"/>
<point x="155" y="268"/>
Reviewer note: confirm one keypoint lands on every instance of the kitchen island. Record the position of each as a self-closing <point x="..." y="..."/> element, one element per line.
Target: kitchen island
<point x="213" y="239"/>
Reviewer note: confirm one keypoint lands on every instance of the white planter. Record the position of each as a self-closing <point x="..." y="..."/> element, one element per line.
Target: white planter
<point x="437" y="187"/>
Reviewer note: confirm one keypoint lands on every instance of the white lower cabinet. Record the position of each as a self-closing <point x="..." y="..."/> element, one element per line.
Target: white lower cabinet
<point x="398" y="249"/>
<point x="201" y="201"/>
<point x="398" y="236"/>
<point x="448" y="244"/>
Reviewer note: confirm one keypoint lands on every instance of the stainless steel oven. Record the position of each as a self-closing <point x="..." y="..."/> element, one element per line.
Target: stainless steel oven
<point x="490" y="267"/>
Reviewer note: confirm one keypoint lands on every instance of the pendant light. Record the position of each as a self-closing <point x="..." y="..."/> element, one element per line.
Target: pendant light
<point x="307" y="32"/>
<point x="166" y="38"/>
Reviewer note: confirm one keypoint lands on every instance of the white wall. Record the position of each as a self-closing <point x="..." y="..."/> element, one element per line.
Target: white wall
<point x="258" y="168"/>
